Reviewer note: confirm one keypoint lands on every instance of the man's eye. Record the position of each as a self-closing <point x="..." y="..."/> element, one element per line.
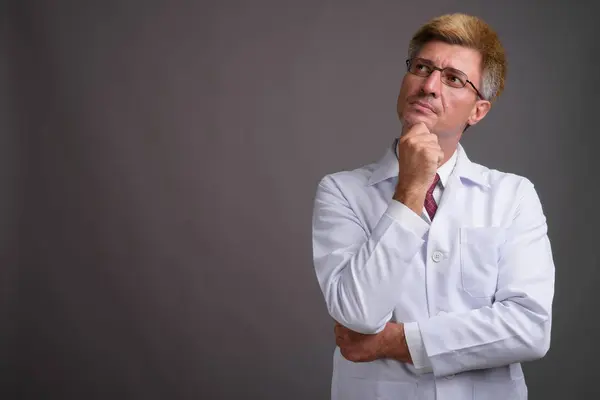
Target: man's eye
<point x="454" y="79"/>
<point x="422" y="67"/>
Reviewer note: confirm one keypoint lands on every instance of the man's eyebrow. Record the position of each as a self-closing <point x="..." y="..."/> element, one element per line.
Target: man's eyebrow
<point x="429" y="62"/>
<point x="425" y="60"/>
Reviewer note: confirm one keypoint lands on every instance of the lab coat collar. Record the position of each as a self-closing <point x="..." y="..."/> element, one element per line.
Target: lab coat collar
<point x="387" y="168"/>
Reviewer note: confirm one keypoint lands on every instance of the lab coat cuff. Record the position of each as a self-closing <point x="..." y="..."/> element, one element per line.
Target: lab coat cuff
<point x="407" y="218"/>
<point x="416" y="348"/>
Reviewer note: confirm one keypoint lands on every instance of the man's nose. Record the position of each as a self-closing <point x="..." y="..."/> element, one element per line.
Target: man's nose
<point x="432" y="84"/>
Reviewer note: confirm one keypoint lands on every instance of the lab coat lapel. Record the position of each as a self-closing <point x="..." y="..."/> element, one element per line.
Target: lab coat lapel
<point x="454" y="197"/>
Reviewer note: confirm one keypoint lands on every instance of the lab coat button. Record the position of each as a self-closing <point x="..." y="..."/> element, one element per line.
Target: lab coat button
<point x="437" y="256"/>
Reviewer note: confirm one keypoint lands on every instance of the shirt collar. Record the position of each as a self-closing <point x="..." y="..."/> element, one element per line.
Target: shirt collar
<point x="459" y="164"/>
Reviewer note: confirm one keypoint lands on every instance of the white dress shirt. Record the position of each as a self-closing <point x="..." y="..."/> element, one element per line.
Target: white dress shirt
<point x="473" y="288"/>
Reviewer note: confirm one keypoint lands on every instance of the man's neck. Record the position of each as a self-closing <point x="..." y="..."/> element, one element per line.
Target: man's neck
<point x="449" y="146"/>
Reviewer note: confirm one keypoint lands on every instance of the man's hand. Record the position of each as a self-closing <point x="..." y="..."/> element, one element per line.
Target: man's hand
<point x="419" y="156"/>
<point x="357" y="347"/>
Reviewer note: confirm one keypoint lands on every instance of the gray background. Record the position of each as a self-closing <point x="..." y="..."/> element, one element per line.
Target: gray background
<point x="158" y="162"/>
<point x="9" y="200"/>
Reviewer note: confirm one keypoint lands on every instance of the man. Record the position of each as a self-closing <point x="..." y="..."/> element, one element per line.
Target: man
<point x="438" y="271"/>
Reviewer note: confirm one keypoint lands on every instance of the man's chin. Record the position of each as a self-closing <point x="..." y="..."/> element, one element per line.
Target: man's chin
<point x="412" y="119"/>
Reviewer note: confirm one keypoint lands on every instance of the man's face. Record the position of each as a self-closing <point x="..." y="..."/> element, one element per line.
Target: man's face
<point x="452" y="108"/>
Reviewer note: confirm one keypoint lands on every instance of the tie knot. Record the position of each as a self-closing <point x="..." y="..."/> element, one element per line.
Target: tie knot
<point x="435" y="182"/>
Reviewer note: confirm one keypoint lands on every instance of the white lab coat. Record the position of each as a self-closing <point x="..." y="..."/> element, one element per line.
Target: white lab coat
<point x="477" y="283"/>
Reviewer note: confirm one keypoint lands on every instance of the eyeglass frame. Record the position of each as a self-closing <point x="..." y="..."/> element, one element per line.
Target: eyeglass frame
<point x="434" y="68"/>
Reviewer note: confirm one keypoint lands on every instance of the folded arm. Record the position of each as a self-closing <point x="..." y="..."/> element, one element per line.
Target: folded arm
<point x="358" y="272"/>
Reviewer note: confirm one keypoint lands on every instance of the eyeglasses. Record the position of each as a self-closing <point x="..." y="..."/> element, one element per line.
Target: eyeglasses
<point x="450" y="76"/>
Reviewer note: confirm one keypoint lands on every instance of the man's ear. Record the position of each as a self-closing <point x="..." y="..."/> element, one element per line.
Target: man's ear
<point x="481" y="108"/>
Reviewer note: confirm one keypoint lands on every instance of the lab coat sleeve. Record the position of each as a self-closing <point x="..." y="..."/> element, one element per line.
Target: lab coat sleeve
<point x="516" y="327"/>
<point x="416" y="348"/>
<point x="359" y="271"/>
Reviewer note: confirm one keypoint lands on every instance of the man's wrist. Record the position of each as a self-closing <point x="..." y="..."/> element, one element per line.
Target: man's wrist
<point x="411" y="199"/>
<point x="395" y="345"/>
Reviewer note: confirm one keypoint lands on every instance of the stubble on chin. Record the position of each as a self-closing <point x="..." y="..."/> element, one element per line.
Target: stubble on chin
<point x="409" y="122"/>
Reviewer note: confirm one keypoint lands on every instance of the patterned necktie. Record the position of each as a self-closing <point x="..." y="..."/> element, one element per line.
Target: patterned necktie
<point x="430" y="204"/>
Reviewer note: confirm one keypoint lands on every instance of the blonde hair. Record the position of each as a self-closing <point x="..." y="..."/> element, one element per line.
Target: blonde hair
<point x="471" y="32"/>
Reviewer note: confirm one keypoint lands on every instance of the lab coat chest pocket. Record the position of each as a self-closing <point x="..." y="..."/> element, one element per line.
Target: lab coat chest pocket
<point x="479" y="253"/>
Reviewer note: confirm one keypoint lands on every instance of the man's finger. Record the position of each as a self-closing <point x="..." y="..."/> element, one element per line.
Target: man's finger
<point x="416" y="129"/>
<point x="345" y="354"/>
<point x="423" y="139"/>
<point x="340" y="332"/>
<point x="417" y="139"/>
<point x="340" y="340"/>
